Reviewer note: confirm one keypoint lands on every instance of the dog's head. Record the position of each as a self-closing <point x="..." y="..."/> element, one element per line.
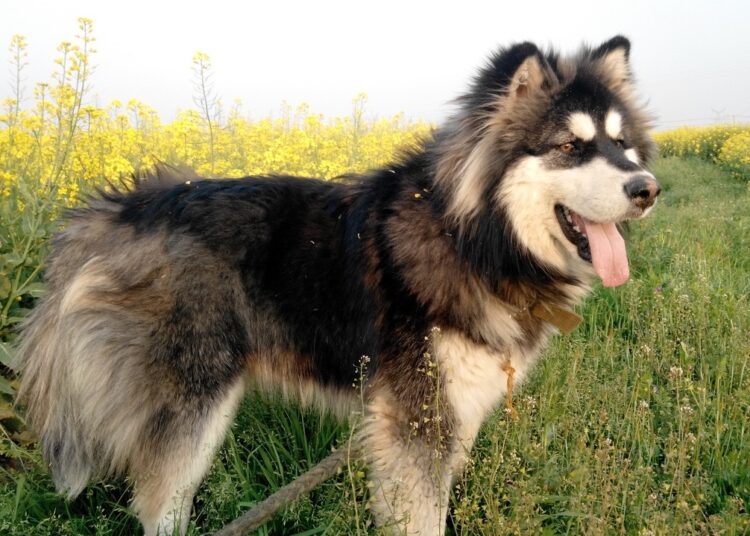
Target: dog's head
<point x="554" y="148"/>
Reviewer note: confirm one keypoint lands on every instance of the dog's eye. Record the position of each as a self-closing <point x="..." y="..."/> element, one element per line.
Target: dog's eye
<point x="567" y="147"/>
<point x="620" y="143"/>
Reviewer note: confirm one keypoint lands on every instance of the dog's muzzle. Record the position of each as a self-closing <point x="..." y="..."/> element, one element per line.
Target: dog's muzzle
<point x="642" y="190"/>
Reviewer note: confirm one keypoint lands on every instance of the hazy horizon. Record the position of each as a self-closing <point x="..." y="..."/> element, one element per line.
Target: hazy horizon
<point x="691" y="60"/>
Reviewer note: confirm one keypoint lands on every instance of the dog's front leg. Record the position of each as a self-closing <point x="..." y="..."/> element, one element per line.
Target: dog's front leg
<point x="410" y="472"/>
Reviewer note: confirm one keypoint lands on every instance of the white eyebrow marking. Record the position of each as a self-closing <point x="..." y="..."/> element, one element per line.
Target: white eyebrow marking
<point x="631" y="155"/>
<point x="613" y="124"/>
<point x="582" y="126"/>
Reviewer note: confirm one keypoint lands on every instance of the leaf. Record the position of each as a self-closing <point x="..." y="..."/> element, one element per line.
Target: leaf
<point x="27" y="224"/>
<point x="7" y="412"/>
<point x="27" y="194"/>
<point x="20" y="315"/>
<point x="7" y="357"/>
<point x="5" y="286"/>
<point x="36" y="290"/>
<point x="5" y="387"/>
<point x="13" y="259"/>
<point x="25" y="438"/>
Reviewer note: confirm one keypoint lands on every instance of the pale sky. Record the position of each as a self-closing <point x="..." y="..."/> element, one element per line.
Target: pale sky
<point x="692" y="59"/>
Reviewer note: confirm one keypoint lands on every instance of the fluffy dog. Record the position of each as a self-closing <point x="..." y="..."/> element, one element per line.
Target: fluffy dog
<point x="447" y="269"/>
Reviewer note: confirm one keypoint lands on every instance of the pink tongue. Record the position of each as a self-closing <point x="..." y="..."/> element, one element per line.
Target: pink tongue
<point x="608" y="253"/>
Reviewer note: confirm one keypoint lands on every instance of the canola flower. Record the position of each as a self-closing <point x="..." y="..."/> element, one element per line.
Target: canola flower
<point x="735" y="154"/>
<point x="116" y="141"/>
<point x="62" y="145"/>
<point x="725" y="145"/>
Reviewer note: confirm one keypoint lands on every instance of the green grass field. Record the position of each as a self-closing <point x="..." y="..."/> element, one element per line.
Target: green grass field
<point x="638" y="423"/>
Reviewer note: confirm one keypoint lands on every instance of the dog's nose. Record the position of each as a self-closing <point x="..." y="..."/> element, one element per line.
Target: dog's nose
<point x="643" y="190"/>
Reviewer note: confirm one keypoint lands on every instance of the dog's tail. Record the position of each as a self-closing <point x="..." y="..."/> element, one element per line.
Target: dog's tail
<point x="46" y="390"/>
<point x="84" y="348"/>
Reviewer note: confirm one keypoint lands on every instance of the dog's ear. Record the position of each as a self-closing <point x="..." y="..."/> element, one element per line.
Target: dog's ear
<point x="528" y="77"/>
<point x="613" y="58"/>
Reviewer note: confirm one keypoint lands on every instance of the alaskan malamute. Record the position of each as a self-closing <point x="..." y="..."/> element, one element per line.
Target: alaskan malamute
<point x="439" y="276"/>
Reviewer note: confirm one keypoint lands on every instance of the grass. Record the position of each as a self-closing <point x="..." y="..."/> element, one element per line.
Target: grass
<point x="638" y="423"/>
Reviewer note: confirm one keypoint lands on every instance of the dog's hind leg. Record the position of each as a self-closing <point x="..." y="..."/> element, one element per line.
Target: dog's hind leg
<point x="175" y="460"/>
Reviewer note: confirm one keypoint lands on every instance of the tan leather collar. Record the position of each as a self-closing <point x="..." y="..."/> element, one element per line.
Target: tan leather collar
<point x="563" y="319"/>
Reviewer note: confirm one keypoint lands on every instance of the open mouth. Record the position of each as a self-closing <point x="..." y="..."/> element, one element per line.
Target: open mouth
<point x="570" y="223"/>
<point x="601" y="244"/>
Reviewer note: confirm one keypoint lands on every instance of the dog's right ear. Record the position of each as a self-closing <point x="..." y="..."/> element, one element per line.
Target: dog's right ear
<point x="528" y="77"/>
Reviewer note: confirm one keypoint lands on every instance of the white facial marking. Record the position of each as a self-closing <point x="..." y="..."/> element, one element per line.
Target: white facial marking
<point x="613" y="124"/>
<point x="632" y="155"/>
<point x="582" y="126"/>
<point x="529" y="192"/>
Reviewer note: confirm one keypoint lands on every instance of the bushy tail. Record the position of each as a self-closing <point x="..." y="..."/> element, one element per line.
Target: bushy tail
<point x="46" y="392"/>
<point x="83" y="352"/>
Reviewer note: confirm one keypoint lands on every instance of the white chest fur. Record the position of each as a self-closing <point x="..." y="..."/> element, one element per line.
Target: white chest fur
<point x="475" y="380"/>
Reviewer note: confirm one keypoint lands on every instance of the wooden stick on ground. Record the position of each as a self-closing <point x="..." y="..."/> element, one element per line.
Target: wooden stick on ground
<point x="263" y="511"/>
